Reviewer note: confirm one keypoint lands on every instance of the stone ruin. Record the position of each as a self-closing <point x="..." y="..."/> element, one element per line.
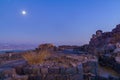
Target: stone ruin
<point x="47" y="46"/>
<point x="106" y="45"/>
<point x="57" y="67"/>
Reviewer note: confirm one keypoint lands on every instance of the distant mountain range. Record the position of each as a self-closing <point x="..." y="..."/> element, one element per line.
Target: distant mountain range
<point x="7" y="46"/>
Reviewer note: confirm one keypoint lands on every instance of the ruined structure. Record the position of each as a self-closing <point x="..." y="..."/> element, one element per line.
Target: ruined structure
<point x="61" y="66"/>
<point x="106" y="45"/>
<point x="56" y="67"/>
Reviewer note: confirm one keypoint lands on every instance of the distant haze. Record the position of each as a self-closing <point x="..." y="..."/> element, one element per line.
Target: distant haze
<point x="56" y="21"/>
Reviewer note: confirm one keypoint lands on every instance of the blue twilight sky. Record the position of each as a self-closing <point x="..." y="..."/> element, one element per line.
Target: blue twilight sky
<point x="56" y="21"/>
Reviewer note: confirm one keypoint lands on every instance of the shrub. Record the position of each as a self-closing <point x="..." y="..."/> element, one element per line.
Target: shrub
<point x="36" y="58"/>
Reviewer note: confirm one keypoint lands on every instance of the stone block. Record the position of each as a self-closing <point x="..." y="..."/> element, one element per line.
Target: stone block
<point x="27" y="70"/>
<point x="62" y="70"/>
<point x="91" y="67"/>
<point x="35" y="77"/>
<point x="7" y="72"/>
<point x="62" y="77"/>
<point x="80" y="69"/>
<point x="72" y="70"/>
<point x="7" y="79"/>
<point x="54" y="70"/>
<point x="35" y="70"/>
<point x="50" y="77"/>
<point x="76" y="77"/>
<point x="44" y="70"/>
<point x="25" y="77"/>
<point x="31" y="70"/>
<point x="19" y="69"/>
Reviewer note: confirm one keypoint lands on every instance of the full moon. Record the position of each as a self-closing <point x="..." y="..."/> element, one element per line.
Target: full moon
<point x="24" y="12"/>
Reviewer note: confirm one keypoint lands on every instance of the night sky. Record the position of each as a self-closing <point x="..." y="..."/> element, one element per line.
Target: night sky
<point x="56" y="21"/>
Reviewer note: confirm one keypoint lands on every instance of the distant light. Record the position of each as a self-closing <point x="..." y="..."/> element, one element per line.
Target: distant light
<point x="24" y="12"/>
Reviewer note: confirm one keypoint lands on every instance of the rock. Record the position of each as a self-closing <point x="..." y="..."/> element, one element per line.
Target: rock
<point x="94" y="36"/>
<point x="91" y="69"/>
<point x="117" y="29"/>
<point x="25" y="77"/>
<point x="44" y="70"/>
<point x="72" y="70"/>
<point x="50" y="77"/>
<point x="76" y="77"/>
<point x="54" y="70"/>
<point x="109" y="61"/>
<point x="117" y="50"/>
<point x="31" y="70"/>
<point x="35" y="77"/>
<point x="80" y="69"/>
<point x="67" y="47"/>
<point x="102" y="40"/>
<point x="46" y="47"/>
<point x="117" y="59"/>
<point x="7" y="72"/>
<point x="117" y="67"/>
<point x="7" y="79"/>
<point x="62" y="70"/>
<point x="27" y="70"/>
<point x="109" y="48"/>
<point x="19" y="67"/>
<point x="62" y="77"/>
<point x="99" y="33"/>
<point x="35" y="70"/>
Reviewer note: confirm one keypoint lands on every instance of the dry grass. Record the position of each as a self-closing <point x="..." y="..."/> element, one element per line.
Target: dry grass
<point x="36" y="58"/>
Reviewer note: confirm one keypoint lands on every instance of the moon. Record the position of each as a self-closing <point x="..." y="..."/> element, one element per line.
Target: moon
<point x="24" y="12"/>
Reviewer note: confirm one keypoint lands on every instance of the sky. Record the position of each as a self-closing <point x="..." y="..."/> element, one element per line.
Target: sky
<point x="56" y="21"/>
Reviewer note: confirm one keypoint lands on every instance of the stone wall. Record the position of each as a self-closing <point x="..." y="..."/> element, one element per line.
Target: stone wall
<point x="109" y="61"/>
<point x="54" y="73"/>
<point x="83" y="71"/>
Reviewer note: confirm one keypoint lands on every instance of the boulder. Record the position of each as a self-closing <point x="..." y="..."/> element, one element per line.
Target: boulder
<point x="99" y="33"/>
<point x="31" y="70"/>
<point x="46" y="46"/>
<point x="117" y="29"/>
<point x="18" y="77"/>
<point x="103" y="39"/>
<point x="7" y="72"/>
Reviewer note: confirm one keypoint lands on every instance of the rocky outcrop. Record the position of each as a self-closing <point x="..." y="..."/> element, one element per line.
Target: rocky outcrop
<point x="105" y="41"/>
<point x="110" y="61"/>
<point x="46" y="46"/>
<point x="106" y="45"/>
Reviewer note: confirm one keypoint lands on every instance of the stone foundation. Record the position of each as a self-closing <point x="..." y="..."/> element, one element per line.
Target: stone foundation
<point x="36" y="72"/>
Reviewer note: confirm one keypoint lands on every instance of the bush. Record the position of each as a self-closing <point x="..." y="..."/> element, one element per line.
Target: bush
<point x="36" y="58"/>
